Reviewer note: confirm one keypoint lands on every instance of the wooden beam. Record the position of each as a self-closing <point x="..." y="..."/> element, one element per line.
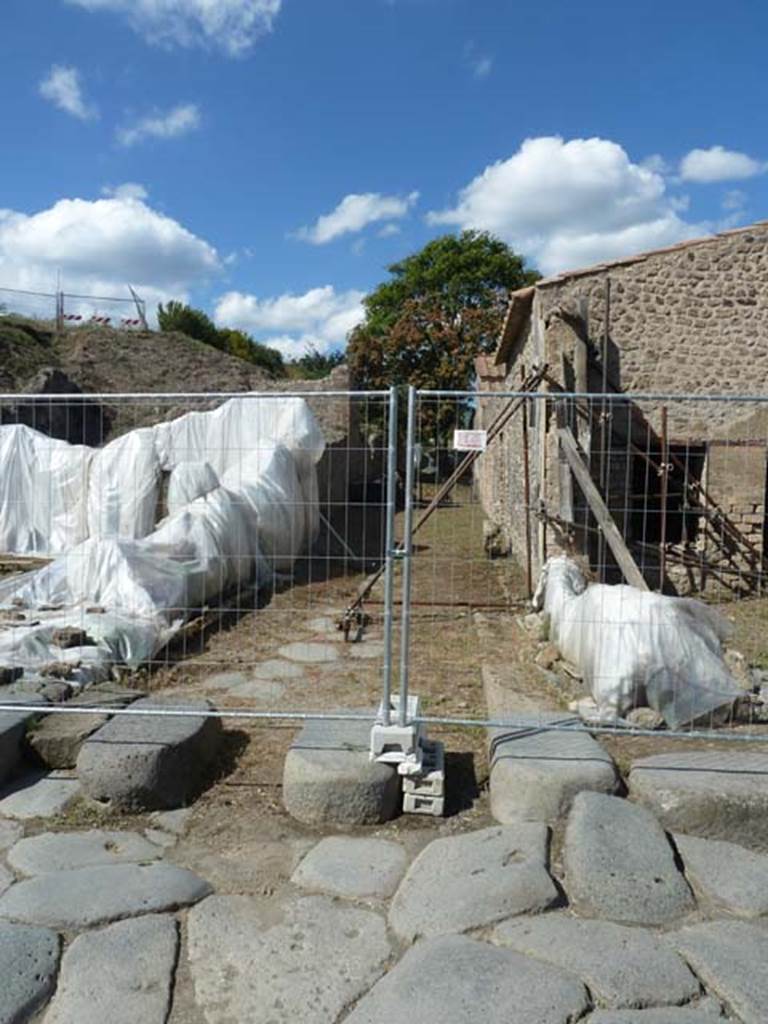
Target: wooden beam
<point x="608" y="527"/>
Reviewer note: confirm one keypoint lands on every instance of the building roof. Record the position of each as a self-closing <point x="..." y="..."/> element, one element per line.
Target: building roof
<point x="520" y="300"/>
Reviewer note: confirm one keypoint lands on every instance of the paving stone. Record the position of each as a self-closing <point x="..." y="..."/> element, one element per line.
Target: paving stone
<point x="720" y="794"/>
<point x="307" y="959"/>
<point x="6" y="879"/>
<point x="619" y="863"/>
<point x="28" y="961"/>
<point x="730" y="958"/>
<point x="10" y="832"/>
<point x="120" y="974"/>
<point x="536" y="773"/>
<point x="265" y="690"/>
<point x="72" y="900"/>
<point x="456" y="980"/>
<point x="39" y="796"/>
<point x="357" y="868"/>
<point x="328" y="776"/>
<point x="471" y="880"/>
<point x="325" y="625"/>
<point x="165" y="840"/>
<point x="621" y="966"/>
<point x="65" y="851"/>
<point x="703" y="1014"/>
<point x="173" y="821"/>
<point x="366" y="649"/>
<point x="277" y="669"/>
<point x="309" y="653"/>
<point x="724" y="875"/>
<point x="138" y="762"/>
<point x="57" y="739"/>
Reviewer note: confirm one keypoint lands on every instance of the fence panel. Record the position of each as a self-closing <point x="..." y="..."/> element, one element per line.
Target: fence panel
<point x="668" y="492"/>
<point x="202" y="544"/>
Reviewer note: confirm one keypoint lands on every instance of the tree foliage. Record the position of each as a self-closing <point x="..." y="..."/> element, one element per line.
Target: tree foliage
<point x="441" y="308"/>
<point x="176" y="316"/>
<point x="314" y="364"/>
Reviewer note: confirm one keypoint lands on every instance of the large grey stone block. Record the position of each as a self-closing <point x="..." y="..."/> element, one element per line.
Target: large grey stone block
<point x="72" y="900"/>
<point x="722" y="794"/>
<point x="352" y="867"/>
<point x="262" y="961"/>
<point x="621" y="966"/>
<point x="57" y="739"/>
<point x="456" y="980"/>
<point x="536" y="773"/>
<point x="725" y="876"/>
<point x="138" y="762"/>
<point x="730" y="958"/>
<point x="67" y="851"/>
<point x="620" y="865"/>
<point x="120" y="974"/>
<point x="28" y="961"/>
<point x="471" y="880"/>
<point x="328" y="776"/>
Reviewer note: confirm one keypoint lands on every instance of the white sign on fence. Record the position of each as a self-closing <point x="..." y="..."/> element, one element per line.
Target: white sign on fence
<point x="470" y="440"/>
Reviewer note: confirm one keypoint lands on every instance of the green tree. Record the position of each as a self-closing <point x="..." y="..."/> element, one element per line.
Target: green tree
<point x="242" y="345"/>
<point x="176" y="316"/>
<point x="314" y="364"/>
<point x="441" y="308"/>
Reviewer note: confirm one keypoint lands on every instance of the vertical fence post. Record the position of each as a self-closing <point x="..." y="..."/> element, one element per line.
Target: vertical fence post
<point x="407" y="556"/>
<point x="59" y="311"/>
<point x="389" y="554"/>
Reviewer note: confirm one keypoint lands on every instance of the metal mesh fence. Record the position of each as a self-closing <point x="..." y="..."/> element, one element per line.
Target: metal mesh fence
<point x="67" y="310"/>
<point x="197" y="544"/>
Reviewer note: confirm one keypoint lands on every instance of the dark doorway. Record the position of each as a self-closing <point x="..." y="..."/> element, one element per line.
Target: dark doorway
<point x="686" y="464"/>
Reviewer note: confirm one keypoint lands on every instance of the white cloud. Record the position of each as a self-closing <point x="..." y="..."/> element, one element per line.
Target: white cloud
<point x="321" y="317"/>
<point x="568" y="204"/>
<point x="389" y="230"/>
<point x="128" y="190"/>
<point x="480" y="64"/>
<point x="355" y="212"/>
<point x="229" y="25"/>
<point x="719" y="164"/>
<point x="63" y="88"/>
<point x="178" y="121"/>
<point x="102" y="246"/>
<point x="734" y="199"/>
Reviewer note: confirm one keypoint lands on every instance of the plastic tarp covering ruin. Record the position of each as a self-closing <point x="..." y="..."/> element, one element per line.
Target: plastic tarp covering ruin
<point x="242" y="504"/>
<point x="635" y="648"/>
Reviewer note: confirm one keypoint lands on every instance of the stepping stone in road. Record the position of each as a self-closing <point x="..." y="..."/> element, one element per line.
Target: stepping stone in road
<point x="730" y="958"/>
<point x="304" y="960"/>
<point x="622" y="967"/>
<point x="309" y="653"/>
<point x="725" y="875"/>
<point x="456" y="980"/>
<point x="620" y="865"/>
<point x="471" y="880"/>
<point x="355" y="868"/>
<point x="72" y="900"/>
<point x="328" y="776"/>
<point x="720" y="794"/>
<point x="39" y="796"/>
<point x="28" y="961"/>
<point x="66" y="851"/>
<point x="138" y="762"/>
<point x="536" y="773"/>
<point x="120" y="974"/>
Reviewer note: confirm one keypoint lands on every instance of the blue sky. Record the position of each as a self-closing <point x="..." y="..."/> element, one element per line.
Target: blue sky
<point x="267" y="159"/>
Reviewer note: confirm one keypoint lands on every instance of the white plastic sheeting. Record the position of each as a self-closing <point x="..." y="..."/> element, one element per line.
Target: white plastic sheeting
<point x="637" y="648"/>
<point x="242" y="503"/>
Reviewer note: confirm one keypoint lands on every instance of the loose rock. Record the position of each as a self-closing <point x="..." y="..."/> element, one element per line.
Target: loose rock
<point x="730" y="958"/>
<point x="645" y="718"/>
<point x="138" y="762"/>
<point x="72" y="900"/>
<point x="57" y="739"/>
<point x="471" y="880"/>
<point x="622" y="967"/>
<point x="713" y="793"/>
<point x="66" y="851"/>
<point x="356" y="868"/>
<point x="28" y="961"/>
<point x="305" y="960"/>
<point x="619" y="864"/>
<point x="70" y="636"/>
<point x="455" y="980"/>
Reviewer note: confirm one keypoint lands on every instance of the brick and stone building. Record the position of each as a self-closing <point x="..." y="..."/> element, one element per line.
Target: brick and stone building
<point x="685" y="481"/>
